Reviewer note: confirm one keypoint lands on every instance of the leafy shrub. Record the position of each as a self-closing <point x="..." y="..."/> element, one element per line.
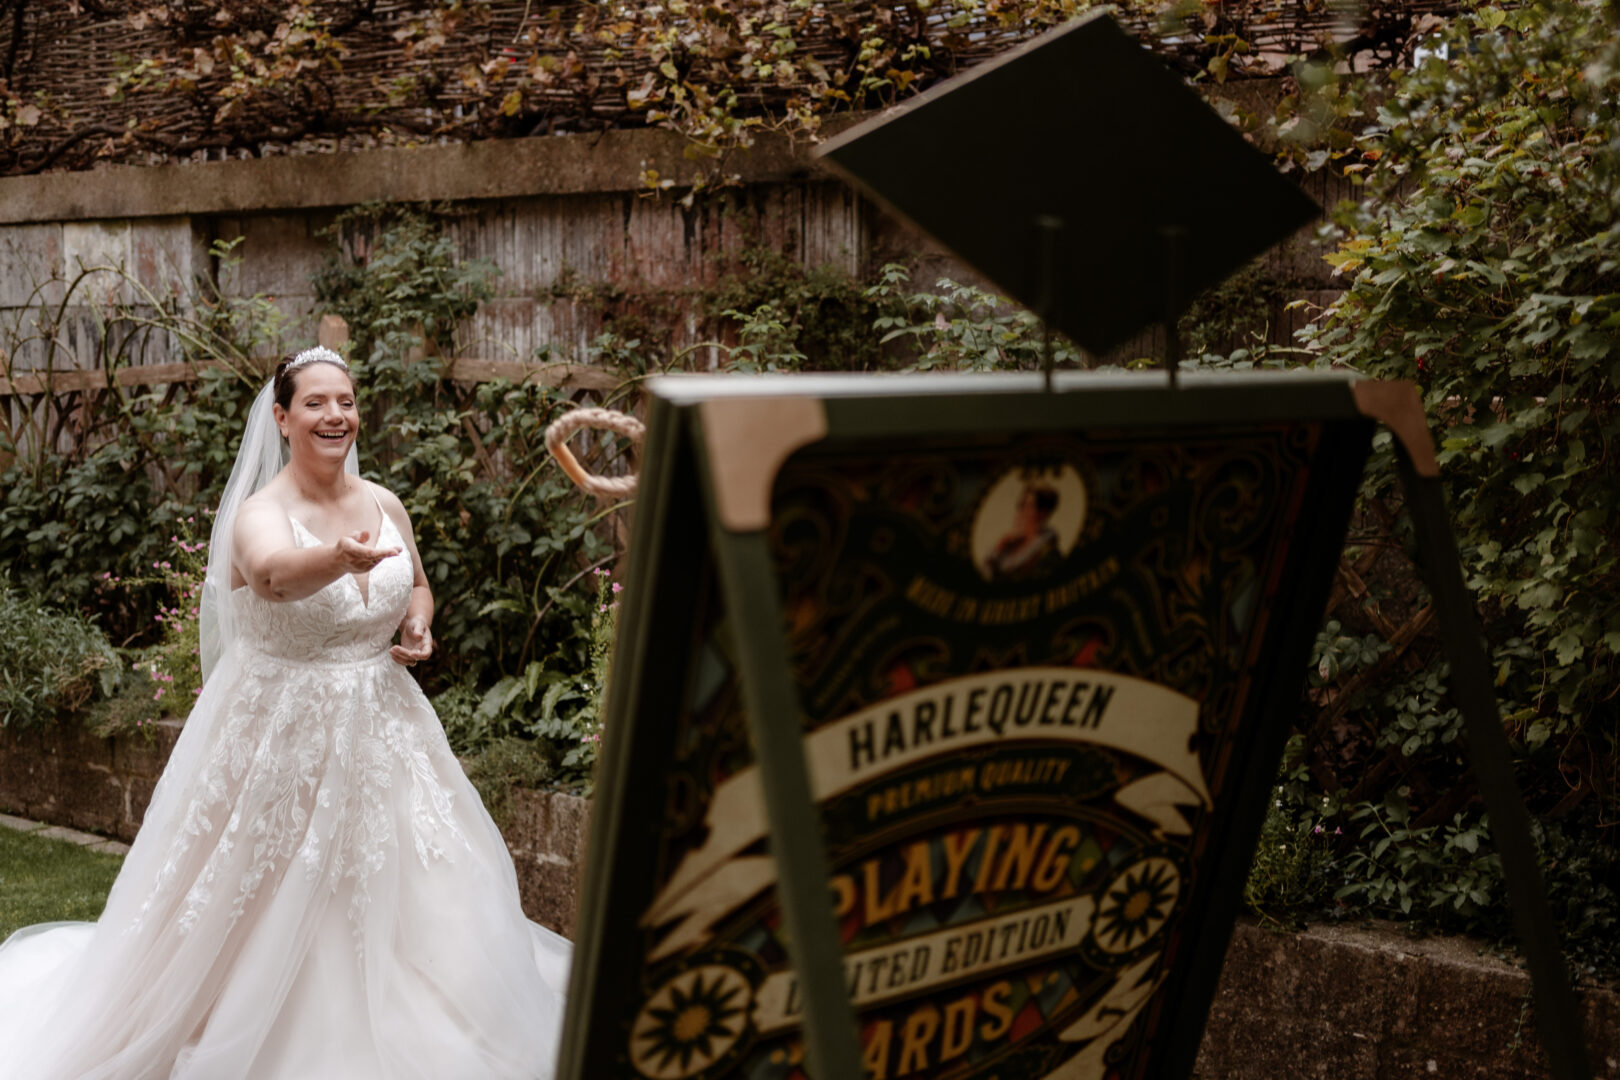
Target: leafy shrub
<point x="959" y="327"/>
<point x="560" y="709"/>
<point x="1480" y="265"/>
<point x="787" y="316"/>
<point x="1293" y="866"/>
<point x="54" y="661"/>
<point x="73" y="511"/>
<point x="508" y="762"/>
<point x="167" y="674"/>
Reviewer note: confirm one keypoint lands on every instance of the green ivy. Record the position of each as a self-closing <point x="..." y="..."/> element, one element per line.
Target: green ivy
<point x="1483" y="267"/>
<point x="1481" y="264"/>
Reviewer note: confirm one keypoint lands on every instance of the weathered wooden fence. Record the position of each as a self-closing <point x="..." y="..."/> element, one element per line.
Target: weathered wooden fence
<point x="578" y="246"/>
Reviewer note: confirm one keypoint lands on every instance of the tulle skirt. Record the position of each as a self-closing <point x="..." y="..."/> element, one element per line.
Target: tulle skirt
<point x="316" y="892"/>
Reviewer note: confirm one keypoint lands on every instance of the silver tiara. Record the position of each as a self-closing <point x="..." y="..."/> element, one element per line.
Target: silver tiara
<point x="319" y="353"/>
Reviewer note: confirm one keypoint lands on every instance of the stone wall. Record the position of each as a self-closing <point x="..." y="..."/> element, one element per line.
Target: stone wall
<point x="546" y="832"/>
<point x="1371" y="1003"/>
<point x="63" y="774"/>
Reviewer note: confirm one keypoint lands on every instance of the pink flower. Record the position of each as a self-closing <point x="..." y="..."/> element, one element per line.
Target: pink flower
<point x="617" y="587"/>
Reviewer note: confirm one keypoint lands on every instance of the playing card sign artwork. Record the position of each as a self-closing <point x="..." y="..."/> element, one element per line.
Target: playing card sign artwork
<point x="1023" y="667"/>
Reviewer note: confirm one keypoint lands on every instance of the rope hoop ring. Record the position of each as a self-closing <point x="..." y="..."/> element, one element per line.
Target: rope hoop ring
<point x="559" y="431"/>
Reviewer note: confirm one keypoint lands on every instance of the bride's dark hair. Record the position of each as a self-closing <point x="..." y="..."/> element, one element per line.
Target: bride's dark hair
<point x="286" y="376"/>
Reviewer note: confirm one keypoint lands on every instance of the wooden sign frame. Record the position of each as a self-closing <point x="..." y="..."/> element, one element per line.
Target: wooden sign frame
<point x="688" y="965"/>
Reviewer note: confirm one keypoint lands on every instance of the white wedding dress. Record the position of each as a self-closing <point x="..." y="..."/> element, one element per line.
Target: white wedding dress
<point x="316" y="892"/>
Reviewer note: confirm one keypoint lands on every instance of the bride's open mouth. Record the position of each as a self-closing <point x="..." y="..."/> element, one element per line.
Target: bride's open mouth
<point x="332" y="436"/>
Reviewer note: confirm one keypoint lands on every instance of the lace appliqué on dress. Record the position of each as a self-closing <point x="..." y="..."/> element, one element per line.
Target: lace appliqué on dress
<point x="318" y="725"/>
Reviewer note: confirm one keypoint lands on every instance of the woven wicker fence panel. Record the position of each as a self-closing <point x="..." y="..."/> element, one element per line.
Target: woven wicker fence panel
<point x="143" y="82"/>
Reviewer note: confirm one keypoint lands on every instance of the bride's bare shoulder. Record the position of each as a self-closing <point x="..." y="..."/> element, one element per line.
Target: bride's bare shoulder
<point x="262" y="511"/>
<point x="262" y="528"/>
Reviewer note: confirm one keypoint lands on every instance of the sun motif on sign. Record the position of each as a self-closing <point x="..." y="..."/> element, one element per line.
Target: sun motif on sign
<point x="1136" y="904"/>
<point x="690" y="1022"/>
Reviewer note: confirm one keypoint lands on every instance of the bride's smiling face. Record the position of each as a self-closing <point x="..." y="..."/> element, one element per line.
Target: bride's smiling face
<point x="322" y="419"/>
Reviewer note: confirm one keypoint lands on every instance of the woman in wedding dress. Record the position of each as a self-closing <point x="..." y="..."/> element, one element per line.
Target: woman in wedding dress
<point x="316" y="890"/>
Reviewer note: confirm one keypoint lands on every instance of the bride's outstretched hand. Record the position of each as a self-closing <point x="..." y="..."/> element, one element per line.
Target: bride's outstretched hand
<point x="415" y="641"/>
<point x="356" y="558"/>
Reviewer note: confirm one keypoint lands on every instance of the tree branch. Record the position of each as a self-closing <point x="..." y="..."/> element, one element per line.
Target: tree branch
<point x="69" y="143"/>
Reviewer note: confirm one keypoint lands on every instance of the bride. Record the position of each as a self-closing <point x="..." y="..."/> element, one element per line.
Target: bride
<point x="316" y="890"/>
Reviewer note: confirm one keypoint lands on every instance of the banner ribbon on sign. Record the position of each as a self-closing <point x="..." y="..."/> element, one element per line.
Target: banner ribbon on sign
<point x="917" y="965"/>
<point x="1022" y="705"/>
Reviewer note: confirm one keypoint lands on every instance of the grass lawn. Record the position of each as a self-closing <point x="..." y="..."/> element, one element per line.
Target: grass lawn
<point x="44" y="880"/>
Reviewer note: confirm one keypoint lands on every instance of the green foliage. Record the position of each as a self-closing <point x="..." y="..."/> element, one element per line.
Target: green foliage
<point x="1484" y="269"/>
<point x="959" y="327"/>
<point x="168" y="674"/>
<point x="75" y="510"/>
<point x="1481" y="265"/>
<point x="409" y="292"/>
<point x="54" y="661"/>
<point x="559" y="709"/>
<point x="1292" y="868"/>
<point x="1399" y="865"/>
<point x="788" y="317"/>
<point x="1233" y="319"/>
<point x="238" y="73"/>
<point x="509" y="762"/>
<point x="133" y="710"/>
<point x="65" y="521"/>
<point x="231" y="75"/>
<point x="1583" y="892"/>
<point x="1337" y="655"/>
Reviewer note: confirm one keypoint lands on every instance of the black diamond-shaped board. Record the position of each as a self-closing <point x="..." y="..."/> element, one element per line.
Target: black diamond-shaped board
<point x="1085" y="126"/>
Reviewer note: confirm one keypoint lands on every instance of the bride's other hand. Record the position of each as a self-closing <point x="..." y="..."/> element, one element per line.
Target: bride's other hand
<point x="355" y="557"/>
<point x="415" y="641"/>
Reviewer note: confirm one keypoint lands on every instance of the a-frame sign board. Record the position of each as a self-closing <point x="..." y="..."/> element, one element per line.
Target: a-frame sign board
<point x="944" y="715"/>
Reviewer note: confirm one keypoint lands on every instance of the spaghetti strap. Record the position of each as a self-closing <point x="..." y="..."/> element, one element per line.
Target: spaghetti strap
<point x="382" y="515"/>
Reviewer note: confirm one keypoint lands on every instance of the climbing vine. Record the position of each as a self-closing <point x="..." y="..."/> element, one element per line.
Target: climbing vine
<point x="138" y="81"/>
